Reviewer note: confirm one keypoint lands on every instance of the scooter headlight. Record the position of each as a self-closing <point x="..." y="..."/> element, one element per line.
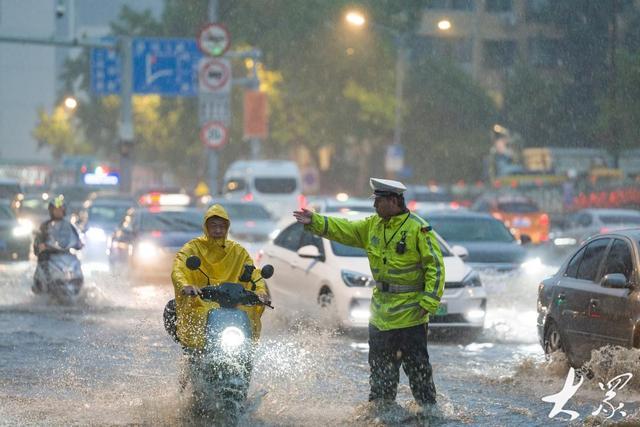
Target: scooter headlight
<point x="231" y="339"/>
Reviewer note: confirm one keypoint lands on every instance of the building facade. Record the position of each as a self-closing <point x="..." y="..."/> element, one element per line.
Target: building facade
<point x="487" y="38"/>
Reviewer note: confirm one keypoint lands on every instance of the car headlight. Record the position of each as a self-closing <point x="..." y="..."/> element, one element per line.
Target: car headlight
<point x="22" y="230"/>
<point x="355" y="279"/>
<point x="564" y="241"/>
<point x="472" y="280"/>
<point x="532" y="266"/>
<point x="96" y="234"/>
<point x="147" y="251"/>
<point x="231" y="339"/>
<point x="359" y="310"/>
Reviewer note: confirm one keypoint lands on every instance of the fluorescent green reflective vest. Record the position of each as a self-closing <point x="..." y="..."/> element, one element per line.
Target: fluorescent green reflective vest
<point x="419" y="269"/>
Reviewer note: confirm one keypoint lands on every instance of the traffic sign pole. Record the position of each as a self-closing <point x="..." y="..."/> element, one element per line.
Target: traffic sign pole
<point x="212" y="155"/>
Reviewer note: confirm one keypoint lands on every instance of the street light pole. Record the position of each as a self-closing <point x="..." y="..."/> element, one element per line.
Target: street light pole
<point x="400" y="71"/>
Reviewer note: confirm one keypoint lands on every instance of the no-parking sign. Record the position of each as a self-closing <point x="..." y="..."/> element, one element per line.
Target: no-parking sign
<point x="214" y="75"/>
<point x="214" y="40"/>
<point x="214" y="134"/>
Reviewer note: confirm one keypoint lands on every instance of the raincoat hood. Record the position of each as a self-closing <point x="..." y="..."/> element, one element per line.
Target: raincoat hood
<point x="219" y="211"/>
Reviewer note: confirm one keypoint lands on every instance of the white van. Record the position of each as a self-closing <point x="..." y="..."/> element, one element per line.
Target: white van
<point x="274" y="183"/>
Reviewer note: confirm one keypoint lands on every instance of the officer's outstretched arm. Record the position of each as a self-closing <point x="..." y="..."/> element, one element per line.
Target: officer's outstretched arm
<point x="351" y="233"/>
<point x="433" y="270"/>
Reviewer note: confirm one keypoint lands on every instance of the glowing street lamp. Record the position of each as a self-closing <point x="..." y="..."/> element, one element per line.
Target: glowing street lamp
<point x="70" y="103"/>
<point x="355" y="18"/>
<point x="444" y="25"/>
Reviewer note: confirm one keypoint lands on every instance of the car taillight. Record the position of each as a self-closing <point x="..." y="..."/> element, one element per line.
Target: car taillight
<point x="544" y="219"/>
<point x="248" y="197"/>
<point x="412" y="205"/>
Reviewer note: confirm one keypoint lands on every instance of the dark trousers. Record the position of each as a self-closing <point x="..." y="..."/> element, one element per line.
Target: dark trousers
<point x="390" y="349"/>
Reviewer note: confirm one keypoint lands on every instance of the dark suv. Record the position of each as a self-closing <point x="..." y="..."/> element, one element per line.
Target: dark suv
<point x="594" y="298"/>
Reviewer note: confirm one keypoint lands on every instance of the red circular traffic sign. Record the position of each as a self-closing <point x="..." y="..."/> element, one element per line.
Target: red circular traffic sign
<point x="214" y="74"/>
<point x="214" y="134"/>
<point x="214" y="39"/>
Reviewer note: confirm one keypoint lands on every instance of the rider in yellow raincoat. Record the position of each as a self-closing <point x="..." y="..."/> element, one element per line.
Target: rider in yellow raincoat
<point x="222" y="260"/>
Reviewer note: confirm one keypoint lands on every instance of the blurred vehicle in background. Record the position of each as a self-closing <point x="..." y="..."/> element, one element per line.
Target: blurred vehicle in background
<point x="34" y="208"/>
<point x="75" y="197"/>
<point x="580" y="225"/>
<point x="318" y="277"/>
<point x="342" y="203"/>
<point x="99" y="220"/>
<point x="147" y="239"/>
<point x="520" y="214"/>
<point x="10" y="189"/>
<point x="15" y="235"/>
<point x="431" y="197"/>
<point x="480" y="239"/>
<point x="592" y="300"/>
<point x="251" y="223"/>
<point x="274" y="183"/>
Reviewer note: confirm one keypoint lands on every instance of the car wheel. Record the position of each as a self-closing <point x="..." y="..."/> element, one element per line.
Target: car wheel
<point x="325" y="299"/>
<point x="552" y="339"/>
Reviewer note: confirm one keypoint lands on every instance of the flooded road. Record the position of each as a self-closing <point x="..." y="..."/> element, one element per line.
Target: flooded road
<point x="108" y="361"/>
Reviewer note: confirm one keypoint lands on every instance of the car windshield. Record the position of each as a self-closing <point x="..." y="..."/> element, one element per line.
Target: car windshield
<point x="620" y="219"/>
<point x="245" y="211"/>
<point x="517" y="207"/>
<point x="6" y="212"/>
<point x="431" y="197"/>
<point x="9" y="191"/>
<point x="107" y="214"/>
<point x="172" y="221"/>
<point x="275" y="185"/>
<point x="471" y="229"/>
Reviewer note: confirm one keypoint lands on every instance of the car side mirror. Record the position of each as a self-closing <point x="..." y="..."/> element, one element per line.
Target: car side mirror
<point x="614" y="281"/>
<point x="309" y="251"/>
<point x="525" y="239"/>
<point x="460" y="251"/>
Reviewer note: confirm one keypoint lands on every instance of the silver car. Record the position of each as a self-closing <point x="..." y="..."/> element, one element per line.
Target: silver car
<point x="585" y="223"/>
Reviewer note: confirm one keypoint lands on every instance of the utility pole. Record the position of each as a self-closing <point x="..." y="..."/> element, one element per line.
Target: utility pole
<point x="125" y="128"/>
<point x="212" y="155"/>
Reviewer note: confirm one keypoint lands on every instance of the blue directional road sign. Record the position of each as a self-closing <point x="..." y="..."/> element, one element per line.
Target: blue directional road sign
<point x="106" y="69"/>
<point x="167" y="67"/>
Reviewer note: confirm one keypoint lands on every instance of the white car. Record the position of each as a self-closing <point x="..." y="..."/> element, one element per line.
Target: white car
<point x="321" y="278"/>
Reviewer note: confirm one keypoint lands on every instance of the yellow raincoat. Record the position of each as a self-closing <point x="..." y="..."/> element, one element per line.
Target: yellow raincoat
<point x="223" y="261"/>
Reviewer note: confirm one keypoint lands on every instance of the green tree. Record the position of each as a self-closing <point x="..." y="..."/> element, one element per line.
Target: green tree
<point x="448" y="121"/>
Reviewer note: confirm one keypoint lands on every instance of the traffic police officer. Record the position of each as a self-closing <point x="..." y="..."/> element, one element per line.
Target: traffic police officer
<point x="406" y="263"/>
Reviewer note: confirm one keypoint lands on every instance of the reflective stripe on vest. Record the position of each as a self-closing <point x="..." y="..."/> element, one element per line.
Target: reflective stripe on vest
<point x="398" y="289"/>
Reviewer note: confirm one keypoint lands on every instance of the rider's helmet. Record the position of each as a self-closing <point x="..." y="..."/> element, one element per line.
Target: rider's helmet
<point x="57" y="202"/>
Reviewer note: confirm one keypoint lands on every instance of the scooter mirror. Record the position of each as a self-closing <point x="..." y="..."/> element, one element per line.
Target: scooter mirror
<point x="267" y="271"/>
<point x="193" y="262"/>
<point x="247" y="272"/>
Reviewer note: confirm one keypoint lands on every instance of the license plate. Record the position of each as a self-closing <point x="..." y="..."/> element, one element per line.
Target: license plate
<point x="442" y="310"/>
<point x="521" y="222"/>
